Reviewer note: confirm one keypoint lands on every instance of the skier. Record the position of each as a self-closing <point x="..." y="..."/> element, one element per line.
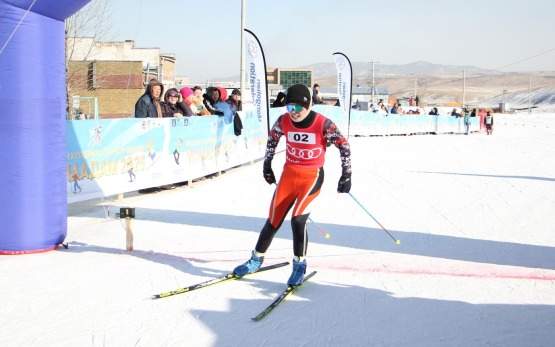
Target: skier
<point x="307" y="134"/>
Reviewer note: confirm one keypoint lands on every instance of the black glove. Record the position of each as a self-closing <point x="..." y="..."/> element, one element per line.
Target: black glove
<point x="268" y="172"/>
<point x="344" y="185"/>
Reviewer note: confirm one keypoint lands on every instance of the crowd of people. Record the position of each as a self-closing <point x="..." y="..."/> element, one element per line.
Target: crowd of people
<point x="188" y="102"/>
<point x="185" y="102"/>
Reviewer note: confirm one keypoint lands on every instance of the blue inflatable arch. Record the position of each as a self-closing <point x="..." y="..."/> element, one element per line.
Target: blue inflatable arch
<point x="33" y="201"/>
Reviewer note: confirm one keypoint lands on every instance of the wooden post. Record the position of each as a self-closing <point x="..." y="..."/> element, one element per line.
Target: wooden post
<point x="128" y="234"/>
<point x="128" y="213"/>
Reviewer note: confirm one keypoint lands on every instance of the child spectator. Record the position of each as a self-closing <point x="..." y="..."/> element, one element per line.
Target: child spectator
<point x="197" y="102"/>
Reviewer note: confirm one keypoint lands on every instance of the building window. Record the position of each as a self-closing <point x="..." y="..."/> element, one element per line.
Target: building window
<point x="91" y="76"/>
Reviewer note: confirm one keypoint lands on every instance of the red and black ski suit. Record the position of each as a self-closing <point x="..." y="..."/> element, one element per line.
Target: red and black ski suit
<point x="303" y="173"/>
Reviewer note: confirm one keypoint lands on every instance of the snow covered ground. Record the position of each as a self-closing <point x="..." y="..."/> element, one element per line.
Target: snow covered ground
<point x="475" y="267"/>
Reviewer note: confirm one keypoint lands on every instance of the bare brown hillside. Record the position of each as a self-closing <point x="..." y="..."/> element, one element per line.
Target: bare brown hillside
<point x="433" y="89"/>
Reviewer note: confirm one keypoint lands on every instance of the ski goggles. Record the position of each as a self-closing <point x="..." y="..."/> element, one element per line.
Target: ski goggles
<point x="294" y="108"/>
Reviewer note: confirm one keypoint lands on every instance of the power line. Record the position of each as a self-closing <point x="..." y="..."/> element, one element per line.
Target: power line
<point x="526" y="59"/>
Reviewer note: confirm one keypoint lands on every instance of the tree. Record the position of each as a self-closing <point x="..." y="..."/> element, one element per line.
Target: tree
<point x="92" y="21"/>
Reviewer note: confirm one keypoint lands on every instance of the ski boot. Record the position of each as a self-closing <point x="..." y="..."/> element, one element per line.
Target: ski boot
<point x="297" y="275"/>
<point x="250" y="266"/>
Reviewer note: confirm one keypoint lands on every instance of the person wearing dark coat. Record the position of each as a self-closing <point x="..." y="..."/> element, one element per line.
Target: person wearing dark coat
<point x="280" y="100"/>
<point x="316" y="98"/>
<point x="172" y="107"/>
<point x="234" y="100"/>
<point x="211" y="98"/>
<point x="148" y="105"/>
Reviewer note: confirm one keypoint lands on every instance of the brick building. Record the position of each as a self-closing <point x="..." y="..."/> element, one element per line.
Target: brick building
<point x="116" y="84"/>
<point x="114" y="73"/>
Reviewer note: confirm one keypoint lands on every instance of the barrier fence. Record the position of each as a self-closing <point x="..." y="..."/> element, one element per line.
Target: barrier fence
<point x="109" y="157"/>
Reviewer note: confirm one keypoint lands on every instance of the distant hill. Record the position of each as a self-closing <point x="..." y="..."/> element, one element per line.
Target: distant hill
<point x="363" y="70"/>
<point x="440" y="84"/>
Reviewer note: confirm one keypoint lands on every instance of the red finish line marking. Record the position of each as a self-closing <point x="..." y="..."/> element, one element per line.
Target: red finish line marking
<point x="515" y="274"/>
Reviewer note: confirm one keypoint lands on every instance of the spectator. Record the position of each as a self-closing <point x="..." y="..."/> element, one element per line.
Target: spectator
<point x="223" y="107"/>
<point x="197" y="91"/>
<point x="173" y="107"/>
<point x="434" y="112"/>
<point x="211" y="97"/>
<point x="454" y="113"/>
<point x="148" y="105"/>
<point x="466" y="123"/>
<point x="223" y="94"/>
<point x="234" y="100"/>
<point x="197" y="102"/>
<point x="280" y="100"/>
<point x="394" y="109"/>
<point x="473" y="113"/>
<point x="187" y="95"/>
<point x="316" y="98"/>
<point x="488" y="121"/>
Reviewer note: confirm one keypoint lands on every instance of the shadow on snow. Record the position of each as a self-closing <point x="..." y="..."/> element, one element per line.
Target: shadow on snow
<point x="357" y="237"/>
<point x="327" y="314"/>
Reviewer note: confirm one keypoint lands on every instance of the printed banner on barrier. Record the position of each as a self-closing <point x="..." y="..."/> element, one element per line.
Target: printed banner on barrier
<point x="113" y="156"/>
<point x="108" y="157"/>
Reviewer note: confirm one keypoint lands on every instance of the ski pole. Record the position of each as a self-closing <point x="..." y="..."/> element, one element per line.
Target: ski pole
<point x="322" y="231"/>
<point x="397" y="242"/>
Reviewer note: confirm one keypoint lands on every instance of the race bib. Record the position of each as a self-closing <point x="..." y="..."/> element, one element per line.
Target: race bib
<point x="300" y="137"/>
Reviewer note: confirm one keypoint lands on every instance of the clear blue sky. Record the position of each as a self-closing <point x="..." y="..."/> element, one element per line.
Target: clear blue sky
<point x="205" y="34"/>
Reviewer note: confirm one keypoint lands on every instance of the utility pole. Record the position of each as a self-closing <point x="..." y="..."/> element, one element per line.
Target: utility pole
<point x="464" y="89"/>
<point x="242" y="68"/>
<point x="415" y="85"/>
<point x="530" y="94"/>
<point x="373" y="82"/>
